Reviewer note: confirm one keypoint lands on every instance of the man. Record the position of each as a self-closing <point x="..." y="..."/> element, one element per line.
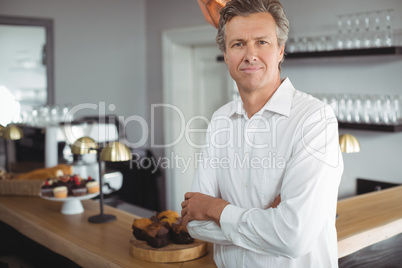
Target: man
<point x="265" y="191"/>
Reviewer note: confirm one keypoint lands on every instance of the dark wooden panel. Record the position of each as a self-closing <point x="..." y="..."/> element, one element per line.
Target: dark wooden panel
<point x="385" y="254"/>
<point x="366" y="186"/>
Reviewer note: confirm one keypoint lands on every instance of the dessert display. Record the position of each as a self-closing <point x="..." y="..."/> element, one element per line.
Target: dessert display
<point x="31" y="183"/>
<point x="72" y="185"/>
<point x="161" y="229"/>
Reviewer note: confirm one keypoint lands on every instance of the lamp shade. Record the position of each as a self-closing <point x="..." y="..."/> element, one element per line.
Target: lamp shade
<point x="210" y="9"/>
<point x="12" y="132"/>
<point x="349" y="144"/>
<point x="115" y="152"/>
<point x="1" y="130"/>
<point x="84" y="145"/>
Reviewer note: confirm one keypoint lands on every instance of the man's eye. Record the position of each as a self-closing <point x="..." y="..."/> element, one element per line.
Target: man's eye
<point x="262" y="42"/>
<point x="237" y="44"/>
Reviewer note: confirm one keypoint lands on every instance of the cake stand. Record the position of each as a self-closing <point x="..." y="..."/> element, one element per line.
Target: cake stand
<point x="72" y="204"/>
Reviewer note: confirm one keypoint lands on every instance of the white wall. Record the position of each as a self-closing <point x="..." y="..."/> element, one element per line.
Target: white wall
<point x="99" y="51"/>
<point x="164" y="15"/>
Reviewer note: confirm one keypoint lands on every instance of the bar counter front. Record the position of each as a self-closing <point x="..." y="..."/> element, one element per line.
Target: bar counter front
<point x="362" y="221"/>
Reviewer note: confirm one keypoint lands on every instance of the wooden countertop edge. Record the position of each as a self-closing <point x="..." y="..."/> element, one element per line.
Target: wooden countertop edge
<point x="364" y="196"/>
<point x="356" y="242"/>
<point x="52" y="241"/>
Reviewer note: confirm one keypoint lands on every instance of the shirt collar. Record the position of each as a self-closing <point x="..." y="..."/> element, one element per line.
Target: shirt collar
<point x="280" y="102"/>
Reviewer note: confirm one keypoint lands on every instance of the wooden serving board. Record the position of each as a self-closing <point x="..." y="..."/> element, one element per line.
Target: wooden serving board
<point x="170" y="253"/>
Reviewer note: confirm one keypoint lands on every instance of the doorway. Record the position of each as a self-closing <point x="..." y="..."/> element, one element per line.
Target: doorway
<point x="196" y="84"/>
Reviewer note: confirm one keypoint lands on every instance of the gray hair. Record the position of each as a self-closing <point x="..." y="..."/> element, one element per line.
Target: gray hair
<point x="246" y="7"/>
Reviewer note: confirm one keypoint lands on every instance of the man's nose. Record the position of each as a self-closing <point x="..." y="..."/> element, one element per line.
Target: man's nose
<point x="251" y="54"/>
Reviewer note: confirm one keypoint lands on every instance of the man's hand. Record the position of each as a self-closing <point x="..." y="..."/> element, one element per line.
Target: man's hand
<point x="201" y="207"/>
<point x="276" y="202"/>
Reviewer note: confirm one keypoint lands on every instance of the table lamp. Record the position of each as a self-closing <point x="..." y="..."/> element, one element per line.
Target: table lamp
<point x="84" y="145"/>
<point x="10" y="132"/>
<point x="210" y="9"/>
<point x="112" y="152"/>
<point x="349" y="144"/>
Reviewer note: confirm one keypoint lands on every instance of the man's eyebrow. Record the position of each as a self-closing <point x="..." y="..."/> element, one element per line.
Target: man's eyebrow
<point x="236" y="40"/>
<point x="242" y="40"/>
<point x="261" y="37"/>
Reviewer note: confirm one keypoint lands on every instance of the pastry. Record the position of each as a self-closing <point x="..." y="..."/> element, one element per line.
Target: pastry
<point x="168" y="217"/>
<point x="79" y="188"/>
<point x="168" y="221"/>
<point x="160" y="229"/>
<point x="47" y="188"/>
<point x="44" y="173"/>
<point x="139" y="226"/>
<point x="60" y="192"/>
<point x="157" y="235"/>
<point x="180" y="233"/>
<point x="168" y="214"/>
<point x="93" y="187"/>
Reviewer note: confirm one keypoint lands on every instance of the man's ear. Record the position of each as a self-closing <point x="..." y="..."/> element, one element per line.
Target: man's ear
<point x="282" y="53"/>
<point x="224" y="56"/>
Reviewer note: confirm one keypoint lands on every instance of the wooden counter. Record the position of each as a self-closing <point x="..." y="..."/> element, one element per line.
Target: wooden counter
<point x="366" y="219"/>
<point x="363" y="220"/>
<point x="87" y="244"/>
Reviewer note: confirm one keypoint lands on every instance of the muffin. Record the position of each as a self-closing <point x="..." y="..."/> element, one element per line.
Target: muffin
<point x="79" y="188"/>
<point x="180" y="233"/>
<point x="157" y="235"/>
<point x="92" y="187"/>
<point x="60" y="192"/>
<point x="168" y="214"/>
<point x="168" y="217"/>
<point x="47" y="188"/>
<point x="168" y="222"/>
<point x="139" y="226"/>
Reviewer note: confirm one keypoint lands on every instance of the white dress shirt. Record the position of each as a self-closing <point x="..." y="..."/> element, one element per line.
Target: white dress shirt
<point x="290" y="147"/>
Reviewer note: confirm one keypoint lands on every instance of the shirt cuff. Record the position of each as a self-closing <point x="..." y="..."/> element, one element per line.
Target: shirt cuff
<point x="229" y="221"/>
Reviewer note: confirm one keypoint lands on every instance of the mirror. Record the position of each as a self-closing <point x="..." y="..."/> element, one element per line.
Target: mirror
<point x="26" y="66"/>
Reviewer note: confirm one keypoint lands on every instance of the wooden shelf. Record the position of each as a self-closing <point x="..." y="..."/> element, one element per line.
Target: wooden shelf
<point x="374" y="127"/>
<point x="347" y="52"/>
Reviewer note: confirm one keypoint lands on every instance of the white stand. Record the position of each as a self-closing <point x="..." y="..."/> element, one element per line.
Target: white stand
<point x="72" y="204"/>
<point x="71" y="207"/>
<point x="51" y="158"/>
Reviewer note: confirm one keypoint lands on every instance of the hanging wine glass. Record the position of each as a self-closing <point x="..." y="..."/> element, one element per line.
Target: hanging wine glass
<point x="377" y="29"/>
<point x="365" y="17"/>
<point x="357" y="39"/>
<point x="388" y="35"/>
<point x="349" y="36"/>
<point x="340" y="39"/>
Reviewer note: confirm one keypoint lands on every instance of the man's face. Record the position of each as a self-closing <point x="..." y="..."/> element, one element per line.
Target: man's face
<point x="252" y="52"/>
